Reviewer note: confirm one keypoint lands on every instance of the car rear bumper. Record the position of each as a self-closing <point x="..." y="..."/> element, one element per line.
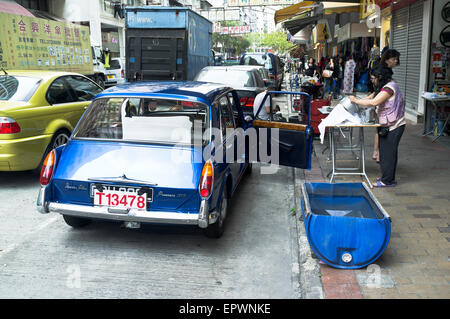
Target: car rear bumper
<point x="22" y="153"/>
<point x="202" y="219"/>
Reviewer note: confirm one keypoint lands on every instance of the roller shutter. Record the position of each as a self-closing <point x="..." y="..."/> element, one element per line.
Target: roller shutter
<point x="407" y="39"/>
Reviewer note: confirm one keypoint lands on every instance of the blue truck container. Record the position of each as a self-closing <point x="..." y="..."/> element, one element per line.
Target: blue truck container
<point x="166" y="43"/>
<point x="346" y="226"/>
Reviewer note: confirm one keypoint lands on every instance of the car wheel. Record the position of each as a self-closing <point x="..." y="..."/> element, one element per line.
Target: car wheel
<point x="61" y="137"/>
<point x="76" y="222"/>
<point x="216" y="230"/>
<point x="248" y="170"/>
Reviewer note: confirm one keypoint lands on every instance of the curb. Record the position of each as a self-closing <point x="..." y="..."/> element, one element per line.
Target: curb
<point x="309" y="277"/>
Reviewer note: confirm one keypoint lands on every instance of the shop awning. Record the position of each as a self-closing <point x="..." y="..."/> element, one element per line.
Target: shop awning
<point x="296" y="9"/>
<point x="295" y="25"/>
<point x="340" y="7"/>
<point x="14" y="8"/>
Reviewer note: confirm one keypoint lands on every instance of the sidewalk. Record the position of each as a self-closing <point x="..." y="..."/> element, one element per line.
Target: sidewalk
<point x="416" y="264"/>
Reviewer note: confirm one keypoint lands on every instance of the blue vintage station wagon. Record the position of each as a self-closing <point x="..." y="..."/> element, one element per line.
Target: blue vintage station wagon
<point x="163" y="152"/>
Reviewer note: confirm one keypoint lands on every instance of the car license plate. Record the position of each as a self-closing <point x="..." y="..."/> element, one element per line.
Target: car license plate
<point x="110" y="77"/>
<point x="120" y="199"/>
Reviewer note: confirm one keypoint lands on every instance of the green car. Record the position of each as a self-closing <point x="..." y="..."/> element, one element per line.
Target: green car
<point x="38" y="112"/>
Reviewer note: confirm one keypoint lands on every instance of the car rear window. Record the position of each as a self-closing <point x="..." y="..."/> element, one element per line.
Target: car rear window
<point x="258" y="59"/>
<point x="18" y="88"/>
<point x="145" y="120"/>
<point x="233" y="78"/>
<point x="114" y="65"/>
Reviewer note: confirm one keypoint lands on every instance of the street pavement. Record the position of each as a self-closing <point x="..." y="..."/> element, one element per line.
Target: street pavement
<point x="416" y="263"/>
<point x="256" y="258"/>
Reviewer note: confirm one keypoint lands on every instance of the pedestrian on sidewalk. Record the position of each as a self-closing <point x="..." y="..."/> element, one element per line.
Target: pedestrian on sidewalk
<point x="329" y="74"/>
<point x="390" y="58"/>
<point x="339" y="78"/>
<point x="349" y="75"/>
<point x="391" y="115"/>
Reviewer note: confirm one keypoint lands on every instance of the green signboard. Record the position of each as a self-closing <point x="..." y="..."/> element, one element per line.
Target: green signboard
<point x="29" y="43"/>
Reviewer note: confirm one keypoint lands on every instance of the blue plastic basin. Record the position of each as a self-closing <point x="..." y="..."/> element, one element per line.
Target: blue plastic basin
<point x="346" y="226"/>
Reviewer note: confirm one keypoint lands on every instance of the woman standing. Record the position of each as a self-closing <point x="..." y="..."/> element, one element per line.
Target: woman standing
<point x="349" y="75"/>
<point x="329" y="79"/>
<point x="390" y="59"/>
<point x="391" y="114"/>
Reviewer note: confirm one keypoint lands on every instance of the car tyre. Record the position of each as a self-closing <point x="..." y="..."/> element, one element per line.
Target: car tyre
<point x="216" y="230"/>
<point x="76" y="222"/>
<point x="61" y="137"/>
<point x="248" y="170"/>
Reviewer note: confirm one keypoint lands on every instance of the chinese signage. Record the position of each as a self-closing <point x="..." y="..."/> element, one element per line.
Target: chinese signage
<point x="221" y="15"/>
<point x="29" y="43"/>
<point x="246" y="3"/>
<point x="234" y="30"/>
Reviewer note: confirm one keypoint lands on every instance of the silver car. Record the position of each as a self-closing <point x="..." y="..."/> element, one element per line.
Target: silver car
<point x="247" y="81"/>
<point x="262" y="70"/>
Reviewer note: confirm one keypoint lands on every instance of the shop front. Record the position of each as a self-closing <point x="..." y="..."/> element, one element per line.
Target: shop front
<point x="439" y="70"/>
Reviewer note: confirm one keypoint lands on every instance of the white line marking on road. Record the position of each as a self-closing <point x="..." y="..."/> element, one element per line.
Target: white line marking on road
<point x="40" y="227"/>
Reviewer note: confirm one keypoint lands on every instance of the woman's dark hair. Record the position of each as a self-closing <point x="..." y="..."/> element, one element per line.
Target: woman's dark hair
<point x="384" y="76"/>
<point x="390" y="53"/>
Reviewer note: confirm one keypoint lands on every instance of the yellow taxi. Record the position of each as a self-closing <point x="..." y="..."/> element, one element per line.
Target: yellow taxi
<point x="38" y="112"/>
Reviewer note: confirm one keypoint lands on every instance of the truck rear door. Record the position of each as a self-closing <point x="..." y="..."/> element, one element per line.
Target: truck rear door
<point x="156" y="54"/>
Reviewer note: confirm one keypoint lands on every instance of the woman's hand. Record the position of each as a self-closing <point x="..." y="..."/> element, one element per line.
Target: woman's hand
<point x="353" y="99"/>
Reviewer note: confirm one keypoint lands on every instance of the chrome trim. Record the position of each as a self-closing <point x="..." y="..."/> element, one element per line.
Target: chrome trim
<point x="41" y="204"/>
<point x="133" y="215"/>
<point x="121" y="179"/>
<point x="203" y="218"/>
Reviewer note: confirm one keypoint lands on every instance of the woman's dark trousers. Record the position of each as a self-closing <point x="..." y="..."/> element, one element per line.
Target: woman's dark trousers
<point x="389" y="154"/>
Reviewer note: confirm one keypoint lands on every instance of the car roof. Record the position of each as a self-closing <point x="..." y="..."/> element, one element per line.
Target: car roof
<point x="39" y="73"/>
<point x="204" y="92"/>
<point x="247" y="67"/>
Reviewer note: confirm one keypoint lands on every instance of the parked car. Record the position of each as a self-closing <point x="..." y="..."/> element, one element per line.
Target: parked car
<point x="38" y="112"/>
<point x="115" y="74"/>
<point x="247" y="82"/>
<point x="270" y="61"/>
<point x="154" y="152"/>
<point x="268" y="82"/>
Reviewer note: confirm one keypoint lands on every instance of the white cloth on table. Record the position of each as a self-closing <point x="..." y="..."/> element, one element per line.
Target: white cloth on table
<point x="339" y="115"/>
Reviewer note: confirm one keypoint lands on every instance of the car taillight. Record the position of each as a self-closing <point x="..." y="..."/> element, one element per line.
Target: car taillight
<point x="247" y="101"/>
<point x="47" y="168"/>
<point x="206" y="180"/>
<point x="122" y="74"/>
<point x="8" y="126"/>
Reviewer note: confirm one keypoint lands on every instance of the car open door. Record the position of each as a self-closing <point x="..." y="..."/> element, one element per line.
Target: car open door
<point x="281" y="142"/>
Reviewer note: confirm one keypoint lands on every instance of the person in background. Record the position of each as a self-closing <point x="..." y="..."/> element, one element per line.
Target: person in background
<point x="106" y="58"/>
<point x="311" y="68"/>
<point x="390" y="105"/>
<point x="349" y="74"/>
<point x="339" y="78"/>
<point x="265" y="110"/>
<point x="321" y="65"/>
<point x="329" y="81"/>
<point x="390" y="58"/>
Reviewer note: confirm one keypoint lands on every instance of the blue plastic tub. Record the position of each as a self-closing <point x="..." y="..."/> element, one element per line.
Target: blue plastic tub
<point x="346" y="226"/>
